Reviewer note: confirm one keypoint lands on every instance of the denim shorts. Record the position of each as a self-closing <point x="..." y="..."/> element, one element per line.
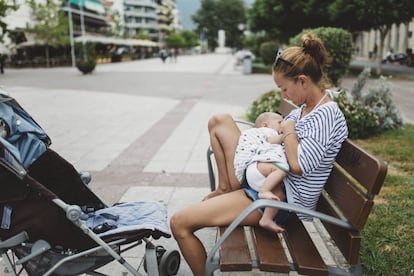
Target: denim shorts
<point x="281" y="216"/>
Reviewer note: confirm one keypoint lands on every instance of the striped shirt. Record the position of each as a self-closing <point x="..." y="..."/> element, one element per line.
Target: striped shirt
<point x="320" y="134"/>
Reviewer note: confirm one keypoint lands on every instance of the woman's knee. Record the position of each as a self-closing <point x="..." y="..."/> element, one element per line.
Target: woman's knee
<point x="218" y="119"/>
<point x="177" y="225"/>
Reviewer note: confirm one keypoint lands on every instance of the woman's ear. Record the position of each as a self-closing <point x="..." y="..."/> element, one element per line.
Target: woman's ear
<point x="303" y="80"/>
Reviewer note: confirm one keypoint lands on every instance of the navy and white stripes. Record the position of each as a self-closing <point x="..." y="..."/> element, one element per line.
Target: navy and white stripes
<point x="320" y="136"/>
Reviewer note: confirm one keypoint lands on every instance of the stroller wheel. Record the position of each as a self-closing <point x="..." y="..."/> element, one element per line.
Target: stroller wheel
<point x="170" y="263"/>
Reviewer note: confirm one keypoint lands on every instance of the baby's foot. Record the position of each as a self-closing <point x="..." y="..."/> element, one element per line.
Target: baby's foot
<point x="270" y="225"/>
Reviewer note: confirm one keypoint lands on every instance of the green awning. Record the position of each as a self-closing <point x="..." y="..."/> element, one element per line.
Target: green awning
<point x="90" y="5"/>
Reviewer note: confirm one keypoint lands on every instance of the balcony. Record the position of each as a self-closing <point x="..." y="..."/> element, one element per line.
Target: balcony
<point x="145" y="26"/>
<point x="144" y="3"/>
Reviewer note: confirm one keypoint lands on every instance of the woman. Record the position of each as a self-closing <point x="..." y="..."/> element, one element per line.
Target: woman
<point x="313" y="135"/>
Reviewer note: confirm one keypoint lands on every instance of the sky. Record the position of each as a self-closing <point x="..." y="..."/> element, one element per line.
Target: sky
<point x="188" y="7"/>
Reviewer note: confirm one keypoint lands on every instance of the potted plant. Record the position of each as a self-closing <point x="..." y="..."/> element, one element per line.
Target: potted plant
<point x="86" y="62"/>
<point x="86" y="66"/>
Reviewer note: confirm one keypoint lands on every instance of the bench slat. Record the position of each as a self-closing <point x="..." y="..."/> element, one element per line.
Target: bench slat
<point x="348" y="242"/>
<point x="305" y="255"/>
<point x="342" y="192"/>
<point x="234" y="252"/>
<point x="368" y="170"/>
<point x="269" y="251"/>
<point x="285" y="107"/>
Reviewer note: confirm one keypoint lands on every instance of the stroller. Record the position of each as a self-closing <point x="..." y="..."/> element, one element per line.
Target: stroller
<point x="53" y="224"/>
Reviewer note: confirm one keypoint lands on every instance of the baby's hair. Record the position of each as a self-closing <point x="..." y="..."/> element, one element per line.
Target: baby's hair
<point x="265" y="117"/>
<point x="311" y="59"/>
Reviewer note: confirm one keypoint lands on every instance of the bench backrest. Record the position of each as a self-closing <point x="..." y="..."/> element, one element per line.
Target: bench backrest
<point x="356" y="178"/>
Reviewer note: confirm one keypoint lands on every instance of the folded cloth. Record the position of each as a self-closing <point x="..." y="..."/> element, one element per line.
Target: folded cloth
<point x="131" y="216"/>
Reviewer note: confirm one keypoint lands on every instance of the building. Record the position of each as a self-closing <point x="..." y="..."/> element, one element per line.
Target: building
<point x="89" y="22"/>
<point x="138" y="16"/>
<point x="155" y="18"/>
<point x="168" y="16"/>
<point x="94" y="15"/>
<point x="399" y="39"/>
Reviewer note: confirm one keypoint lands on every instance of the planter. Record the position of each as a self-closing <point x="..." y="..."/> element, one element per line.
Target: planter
<point x="86" y="67"/>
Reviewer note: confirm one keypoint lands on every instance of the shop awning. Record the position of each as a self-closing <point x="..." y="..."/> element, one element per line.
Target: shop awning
<point x="91" y="5"/>
<point x="116" y="41"/>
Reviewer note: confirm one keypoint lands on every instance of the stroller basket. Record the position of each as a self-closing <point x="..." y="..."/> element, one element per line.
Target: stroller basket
<point x="74" y="265"/>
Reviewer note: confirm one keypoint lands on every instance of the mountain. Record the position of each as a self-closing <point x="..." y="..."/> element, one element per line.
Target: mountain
<point x="188" y="7"/>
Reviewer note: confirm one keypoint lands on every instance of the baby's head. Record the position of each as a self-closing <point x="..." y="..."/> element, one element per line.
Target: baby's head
<point x="269" y="119"/>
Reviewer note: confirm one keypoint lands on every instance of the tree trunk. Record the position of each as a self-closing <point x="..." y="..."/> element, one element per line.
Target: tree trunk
<point x="47" y="55"/>
<point x="383" y="33"/>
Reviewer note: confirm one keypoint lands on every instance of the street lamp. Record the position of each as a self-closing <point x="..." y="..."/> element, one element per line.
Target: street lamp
<point x="72" y="44"/>
<point x="82" y="20"/>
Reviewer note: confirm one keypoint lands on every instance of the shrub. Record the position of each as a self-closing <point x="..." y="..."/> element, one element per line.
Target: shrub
<point x="366" y="112"/>
<point x="269" y="101"/>
<point x="380" y="101"/>
<point x="338" y="43"/>
<point x="361" y="121"/>
<point x="253" y="42"/>
<point x="260" y="68"/>
<point x="268" y="51"/>
<point x="86" y="66"/>
<point x="369" y="112"/>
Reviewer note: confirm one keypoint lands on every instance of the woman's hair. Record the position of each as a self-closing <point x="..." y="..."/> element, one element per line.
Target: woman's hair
<point x="311" y="60"/>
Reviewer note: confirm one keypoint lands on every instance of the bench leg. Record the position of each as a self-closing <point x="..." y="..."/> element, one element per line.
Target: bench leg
<point x="211" y="266"/>
<point x="354" y="270"/>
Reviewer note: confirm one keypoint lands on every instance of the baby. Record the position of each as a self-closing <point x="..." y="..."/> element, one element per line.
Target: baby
<point x="260" y="160"/>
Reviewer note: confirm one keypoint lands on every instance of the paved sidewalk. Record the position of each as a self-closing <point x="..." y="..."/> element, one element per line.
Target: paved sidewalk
<point x="137" y="145"/>
<point x="140" y="127"/>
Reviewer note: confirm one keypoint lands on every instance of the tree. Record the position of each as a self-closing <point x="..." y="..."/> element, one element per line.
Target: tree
<point x="227" y="15"/>
<point x="50" y="26"/>
<point x="371" y="14"/>
<point x="5" y="7"/>
<point x="142" y="34"/>
<point x="190" y="37"/>
<point x="282" y="19"/>
<point x="175" y="40"/>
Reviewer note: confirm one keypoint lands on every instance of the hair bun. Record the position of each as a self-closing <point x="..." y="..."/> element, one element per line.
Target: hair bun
<point x="314" y="47"/>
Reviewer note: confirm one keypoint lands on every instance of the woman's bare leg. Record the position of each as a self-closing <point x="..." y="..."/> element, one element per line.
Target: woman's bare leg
<point x="207" y="213"/>
<point x="224" y="136"/>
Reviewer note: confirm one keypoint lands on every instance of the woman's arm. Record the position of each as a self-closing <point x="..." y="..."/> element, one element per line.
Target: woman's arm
<point x="291" y="146"/>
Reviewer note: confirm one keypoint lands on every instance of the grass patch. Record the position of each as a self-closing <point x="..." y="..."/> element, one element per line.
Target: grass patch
<point x="394" y="146"/>
<point x="387" y="247"/>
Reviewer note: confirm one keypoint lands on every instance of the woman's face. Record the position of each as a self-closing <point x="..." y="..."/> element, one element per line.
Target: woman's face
<point x="291" y="90"/>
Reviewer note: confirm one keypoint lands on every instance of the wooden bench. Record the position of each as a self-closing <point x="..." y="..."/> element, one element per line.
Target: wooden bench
<point x="328" y="246"/>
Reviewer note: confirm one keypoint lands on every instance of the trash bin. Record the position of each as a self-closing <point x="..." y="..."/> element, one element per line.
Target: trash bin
<point x="247" y="64"/>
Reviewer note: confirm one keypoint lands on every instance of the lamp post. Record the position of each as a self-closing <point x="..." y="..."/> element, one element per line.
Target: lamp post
<point x="82" y="20"/>
<point x="72" y="46"/>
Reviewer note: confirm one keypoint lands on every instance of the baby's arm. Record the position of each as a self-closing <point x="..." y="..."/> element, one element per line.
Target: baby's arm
<point x="276" y="139"/>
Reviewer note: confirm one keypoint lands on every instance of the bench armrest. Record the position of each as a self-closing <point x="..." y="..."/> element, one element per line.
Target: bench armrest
<point x="261" y="203"/>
